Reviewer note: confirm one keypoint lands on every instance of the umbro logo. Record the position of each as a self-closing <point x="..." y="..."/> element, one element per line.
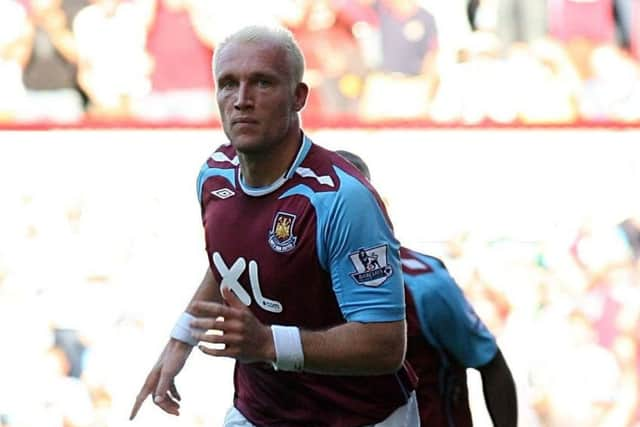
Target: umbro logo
<point x="223" y="193"/>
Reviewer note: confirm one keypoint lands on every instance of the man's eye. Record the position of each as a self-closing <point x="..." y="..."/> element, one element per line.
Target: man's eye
<point x="227" y="84"/>
<point x="264" y="83"/>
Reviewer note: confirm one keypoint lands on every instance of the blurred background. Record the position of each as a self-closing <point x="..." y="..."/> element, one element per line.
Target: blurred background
<point x="503" y="134"/>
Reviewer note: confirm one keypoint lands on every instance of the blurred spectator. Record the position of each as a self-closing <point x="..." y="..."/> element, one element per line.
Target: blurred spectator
<point x="547" y="83"/>
<point x="51" y="73"/>
<point x="181" y="47"/>
<point x="630" y="227"/>
<point x="634" y="33"/>
<point x="69" y="341"/>
<point x="611" y="90"/>
<point x="105" y="416"/>
<point x="579" y="378"/>
<point x="624" y="16"/>
<point x="601" y="252"/>
<point x="365" y="28"/>
<point x="478" y="86"/>
<point x="409" y="37"/>
<point x="335" y="67"/>
<point x="626" y="349"/>
<point x="452" y="23"/>
<point x="592" y="20"/>
<point x="16" y="34"/>
<point x="531" y="83"/>
<point x="484" y="15"/>
<point x="113" y="65"/>
<point x="409" y="43"/>
<point x="63" y="400"/>
<point x="521" y="20"/>
<point x="471" y="9"/>
<point x="239" y="13"/>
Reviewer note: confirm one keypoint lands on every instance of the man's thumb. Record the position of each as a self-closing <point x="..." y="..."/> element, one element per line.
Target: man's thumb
<point x="162" y="389"/>
<point x="231" y="298"/>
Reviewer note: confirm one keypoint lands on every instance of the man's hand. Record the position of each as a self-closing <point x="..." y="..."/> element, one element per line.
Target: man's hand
<point x="244" y="337"/>
<point x="160" y="381"/>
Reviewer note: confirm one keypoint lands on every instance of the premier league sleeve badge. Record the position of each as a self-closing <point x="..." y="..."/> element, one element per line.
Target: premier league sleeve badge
<point x="372" y="268"/>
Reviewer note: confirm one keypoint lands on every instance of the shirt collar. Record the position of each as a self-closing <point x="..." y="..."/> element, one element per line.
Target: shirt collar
<point x="263" y="191"/>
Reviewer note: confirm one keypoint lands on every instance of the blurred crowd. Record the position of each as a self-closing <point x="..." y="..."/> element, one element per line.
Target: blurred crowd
<point x="454" y="61"/>
<point x="567" y="311"/>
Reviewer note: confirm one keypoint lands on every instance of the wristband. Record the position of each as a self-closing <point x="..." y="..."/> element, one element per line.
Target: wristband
<point x="182" y="331"/>
<point x="288" y="345"/>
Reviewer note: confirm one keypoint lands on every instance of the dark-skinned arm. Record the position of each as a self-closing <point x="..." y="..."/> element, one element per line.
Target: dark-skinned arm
<point x="499" y="392"/>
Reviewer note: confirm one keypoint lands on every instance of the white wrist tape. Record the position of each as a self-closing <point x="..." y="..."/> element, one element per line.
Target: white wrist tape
<point x="182" y="331"/>
<point x="288" y="346"/>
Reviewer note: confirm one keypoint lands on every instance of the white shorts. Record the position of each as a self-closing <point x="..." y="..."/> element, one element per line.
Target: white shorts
<point x="405" y="416"/>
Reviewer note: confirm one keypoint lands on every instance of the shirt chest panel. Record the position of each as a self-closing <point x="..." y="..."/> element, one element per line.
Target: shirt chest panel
<point x="267" y="246"/>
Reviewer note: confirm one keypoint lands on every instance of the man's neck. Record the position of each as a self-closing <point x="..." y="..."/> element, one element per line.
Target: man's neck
<point x="263" y="169"/>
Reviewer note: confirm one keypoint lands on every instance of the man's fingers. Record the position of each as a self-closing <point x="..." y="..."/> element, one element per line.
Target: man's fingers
<point x="211" y="309"/>
<point x="162" y="398"/>
<point x="224" y="325"/>
<point x="231" y="298"/>
<point x="136" y="406"/>
<point x="145" y="391"/>
<point x="162" y="390"/>
<point x="227" y="339"/>
<point x="217" y="352"/>
<point x="206" y="323"/>
<point x="167" y="404"/>
<point x="174" y="392"/>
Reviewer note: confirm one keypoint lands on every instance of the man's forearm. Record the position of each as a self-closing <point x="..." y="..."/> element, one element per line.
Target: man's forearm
<point x="500" y="392"/>
<point x="209" y="290"/>
<point x="352" y="348"/>
<point x="355" y="349"/>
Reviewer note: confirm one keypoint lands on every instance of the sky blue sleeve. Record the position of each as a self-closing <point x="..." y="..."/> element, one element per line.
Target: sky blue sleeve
<point x="202" y="176"/>
<point x="358" y="248"/>
<point x="449" y="320"/>
<point x="207" y="172"/>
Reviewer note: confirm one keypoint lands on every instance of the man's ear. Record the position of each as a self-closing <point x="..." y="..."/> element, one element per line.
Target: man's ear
<point x="300" y="94"/>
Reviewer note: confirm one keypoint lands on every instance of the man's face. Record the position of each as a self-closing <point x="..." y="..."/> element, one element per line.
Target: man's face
<point x="257" y="100"/>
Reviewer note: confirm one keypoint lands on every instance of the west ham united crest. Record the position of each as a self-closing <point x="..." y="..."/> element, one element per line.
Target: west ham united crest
<point x="372" y="268"/>
<point x="281" y="238"/>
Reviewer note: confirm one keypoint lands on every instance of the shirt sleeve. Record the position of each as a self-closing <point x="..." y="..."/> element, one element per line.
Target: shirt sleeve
<point x="449" y="321"/>
<point x="362" y="256"/>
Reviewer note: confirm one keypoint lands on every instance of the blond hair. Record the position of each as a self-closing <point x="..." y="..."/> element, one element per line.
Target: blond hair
<point x="278" y="35"/>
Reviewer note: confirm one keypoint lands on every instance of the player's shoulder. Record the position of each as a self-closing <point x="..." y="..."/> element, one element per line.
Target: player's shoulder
<point x="224" y="157"/>
<point x="220" y="162"/>
<point x="430" y="284"/>
<point x="339" y="175"/>
<point x="415" y="262"/>
<point x="220" y="165"/>
<point x="427" y="276"/>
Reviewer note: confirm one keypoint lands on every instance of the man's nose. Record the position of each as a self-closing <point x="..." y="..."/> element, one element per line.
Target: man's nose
<point x="244" y="98"/>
